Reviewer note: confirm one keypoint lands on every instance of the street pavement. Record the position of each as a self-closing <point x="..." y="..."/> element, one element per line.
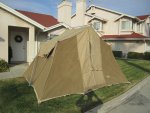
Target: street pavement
<point x="135" y="100"/>
<point x="137" y="103"/>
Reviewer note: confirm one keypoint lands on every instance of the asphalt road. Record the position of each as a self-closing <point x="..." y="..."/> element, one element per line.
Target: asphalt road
<point x="137" y="103"/>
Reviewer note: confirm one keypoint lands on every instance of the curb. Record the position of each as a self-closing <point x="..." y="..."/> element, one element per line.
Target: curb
<point x="108" y="106"/>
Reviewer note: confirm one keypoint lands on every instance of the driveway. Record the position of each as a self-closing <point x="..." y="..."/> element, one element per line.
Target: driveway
<point x="137" y="103"/>
<point x="15" y="71"/>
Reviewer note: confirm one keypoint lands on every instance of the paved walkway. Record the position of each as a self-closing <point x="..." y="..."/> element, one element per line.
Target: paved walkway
<point x="15" y="71"/>
<point x="132" y="101"/>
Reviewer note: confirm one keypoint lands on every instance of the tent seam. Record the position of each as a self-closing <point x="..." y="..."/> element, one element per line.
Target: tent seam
<point x="91" y="61"/>
<point x="81" y="67"/>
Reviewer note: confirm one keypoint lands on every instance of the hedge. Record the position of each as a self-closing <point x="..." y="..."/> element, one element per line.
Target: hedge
<point x="135" y="55"/>
<point x="147" y="55"/>
<point x="3" y="66"/>
<point x="117" y="54"/>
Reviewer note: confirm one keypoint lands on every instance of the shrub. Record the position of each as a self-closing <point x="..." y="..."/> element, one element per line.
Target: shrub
<point x="135" y="55"/>
<point x="147" y="56"/>
<point x="3" y="66"/>
<point x="117" y="53"/>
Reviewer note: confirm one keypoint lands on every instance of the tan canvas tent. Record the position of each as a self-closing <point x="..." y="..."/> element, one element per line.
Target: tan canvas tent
<point x="73" y="63"/>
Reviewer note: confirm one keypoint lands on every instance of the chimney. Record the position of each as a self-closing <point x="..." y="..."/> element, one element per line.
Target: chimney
<point x="80" y="11"/>
<point x="64" y="12"/>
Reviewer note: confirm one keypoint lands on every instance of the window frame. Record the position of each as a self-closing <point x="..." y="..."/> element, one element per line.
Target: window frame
<point x="100" y="25"/>
<point x="130" y="25"/>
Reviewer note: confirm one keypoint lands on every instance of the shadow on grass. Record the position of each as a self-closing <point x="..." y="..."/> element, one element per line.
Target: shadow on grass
<point x="137" y="66"/>
<point x="88" y="101"/>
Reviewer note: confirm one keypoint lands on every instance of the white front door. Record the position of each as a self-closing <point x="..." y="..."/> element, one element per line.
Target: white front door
<point x="18" y="43"/>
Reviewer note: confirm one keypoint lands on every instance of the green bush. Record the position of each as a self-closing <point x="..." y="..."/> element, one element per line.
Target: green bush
<point x="117" y="54"/>
<point x="147" y="56"/>
<point x="3" y="66"/>
<point x="135" y="55"/>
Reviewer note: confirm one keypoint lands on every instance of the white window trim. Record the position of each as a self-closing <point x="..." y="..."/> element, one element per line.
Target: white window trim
<point x="130" y="29"/>
<point x="101" y="25"/>
<point x="140" y="29"/>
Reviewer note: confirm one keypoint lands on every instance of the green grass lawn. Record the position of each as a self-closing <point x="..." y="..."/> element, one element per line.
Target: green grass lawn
<point x="17" y="97"/>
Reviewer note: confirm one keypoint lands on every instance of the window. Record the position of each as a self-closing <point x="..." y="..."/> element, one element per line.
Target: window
<point x="125" y="25"/>
<point x="98" y="26"/>
<point x="139" y="27"/>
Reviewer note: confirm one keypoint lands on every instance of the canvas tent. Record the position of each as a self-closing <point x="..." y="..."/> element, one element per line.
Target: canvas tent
<point x="73" y="63"/>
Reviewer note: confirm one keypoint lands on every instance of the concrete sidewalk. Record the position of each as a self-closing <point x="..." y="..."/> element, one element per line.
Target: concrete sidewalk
<point x="15" y="71"/>
<point x="108" y="106"/>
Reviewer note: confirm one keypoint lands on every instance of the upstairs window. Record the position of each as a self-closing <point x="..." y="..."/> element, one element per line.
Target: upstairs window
<point x="98" y="26"/>
<point x="126" y="25"/>
<point x="140" y="27"/>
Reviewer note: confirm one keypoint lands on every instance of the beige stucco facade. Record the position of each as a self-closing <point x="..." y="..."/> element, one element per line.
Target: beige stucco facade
<point x="111" y="24"/>
<point x="128" y="46"/>
<point x="13" y="21"/>
<point x="25" y="51"/>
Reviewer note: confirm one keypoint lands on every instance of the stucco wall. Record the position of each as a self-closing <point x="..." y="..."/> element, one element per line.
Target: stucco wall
<point x="7" y="19"/>
<point x="111" y="27"/>
<point x="128" y="46"/>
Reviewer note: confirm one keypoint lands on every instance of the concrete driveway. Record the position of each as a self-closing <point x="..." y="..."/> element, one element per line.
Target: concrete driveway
<point x="15" y="71"/>
<point x="137" y="103"/>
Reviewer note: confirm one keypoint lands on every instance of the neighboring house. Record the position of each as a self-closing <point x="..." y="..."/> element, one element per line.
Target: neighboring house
<point x="123" y="32"/>
<point x="23" y="31"/>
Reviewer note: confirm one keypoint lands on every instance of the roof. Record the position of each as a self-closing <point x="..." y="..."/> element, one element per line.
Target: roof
<point x="136" y="18"/>
<point x="56" y="26"/>
<point x="109" y="10"/>
<point x="95" y="17"/>
<point x="143" y="17"/>
<point x="18" y="14"/>
<point x="125" y="36"/>
<point x="43" y="19"/>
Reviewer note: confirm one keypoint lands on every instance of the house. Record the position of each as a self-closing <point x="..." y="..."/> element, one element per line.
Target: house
<point x="22" y="32"/>
<point x="123" y="32"/>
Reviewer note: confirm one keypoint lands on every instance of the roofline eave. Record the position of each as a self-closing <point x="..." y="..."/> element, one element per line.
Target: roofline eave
<point x="55" y="26"/>
<point x="18" y="14"/>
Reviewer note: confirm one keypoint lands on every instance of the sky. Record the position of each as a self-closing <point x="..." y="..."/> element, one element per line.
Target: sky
<point x="130" y="7"/>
